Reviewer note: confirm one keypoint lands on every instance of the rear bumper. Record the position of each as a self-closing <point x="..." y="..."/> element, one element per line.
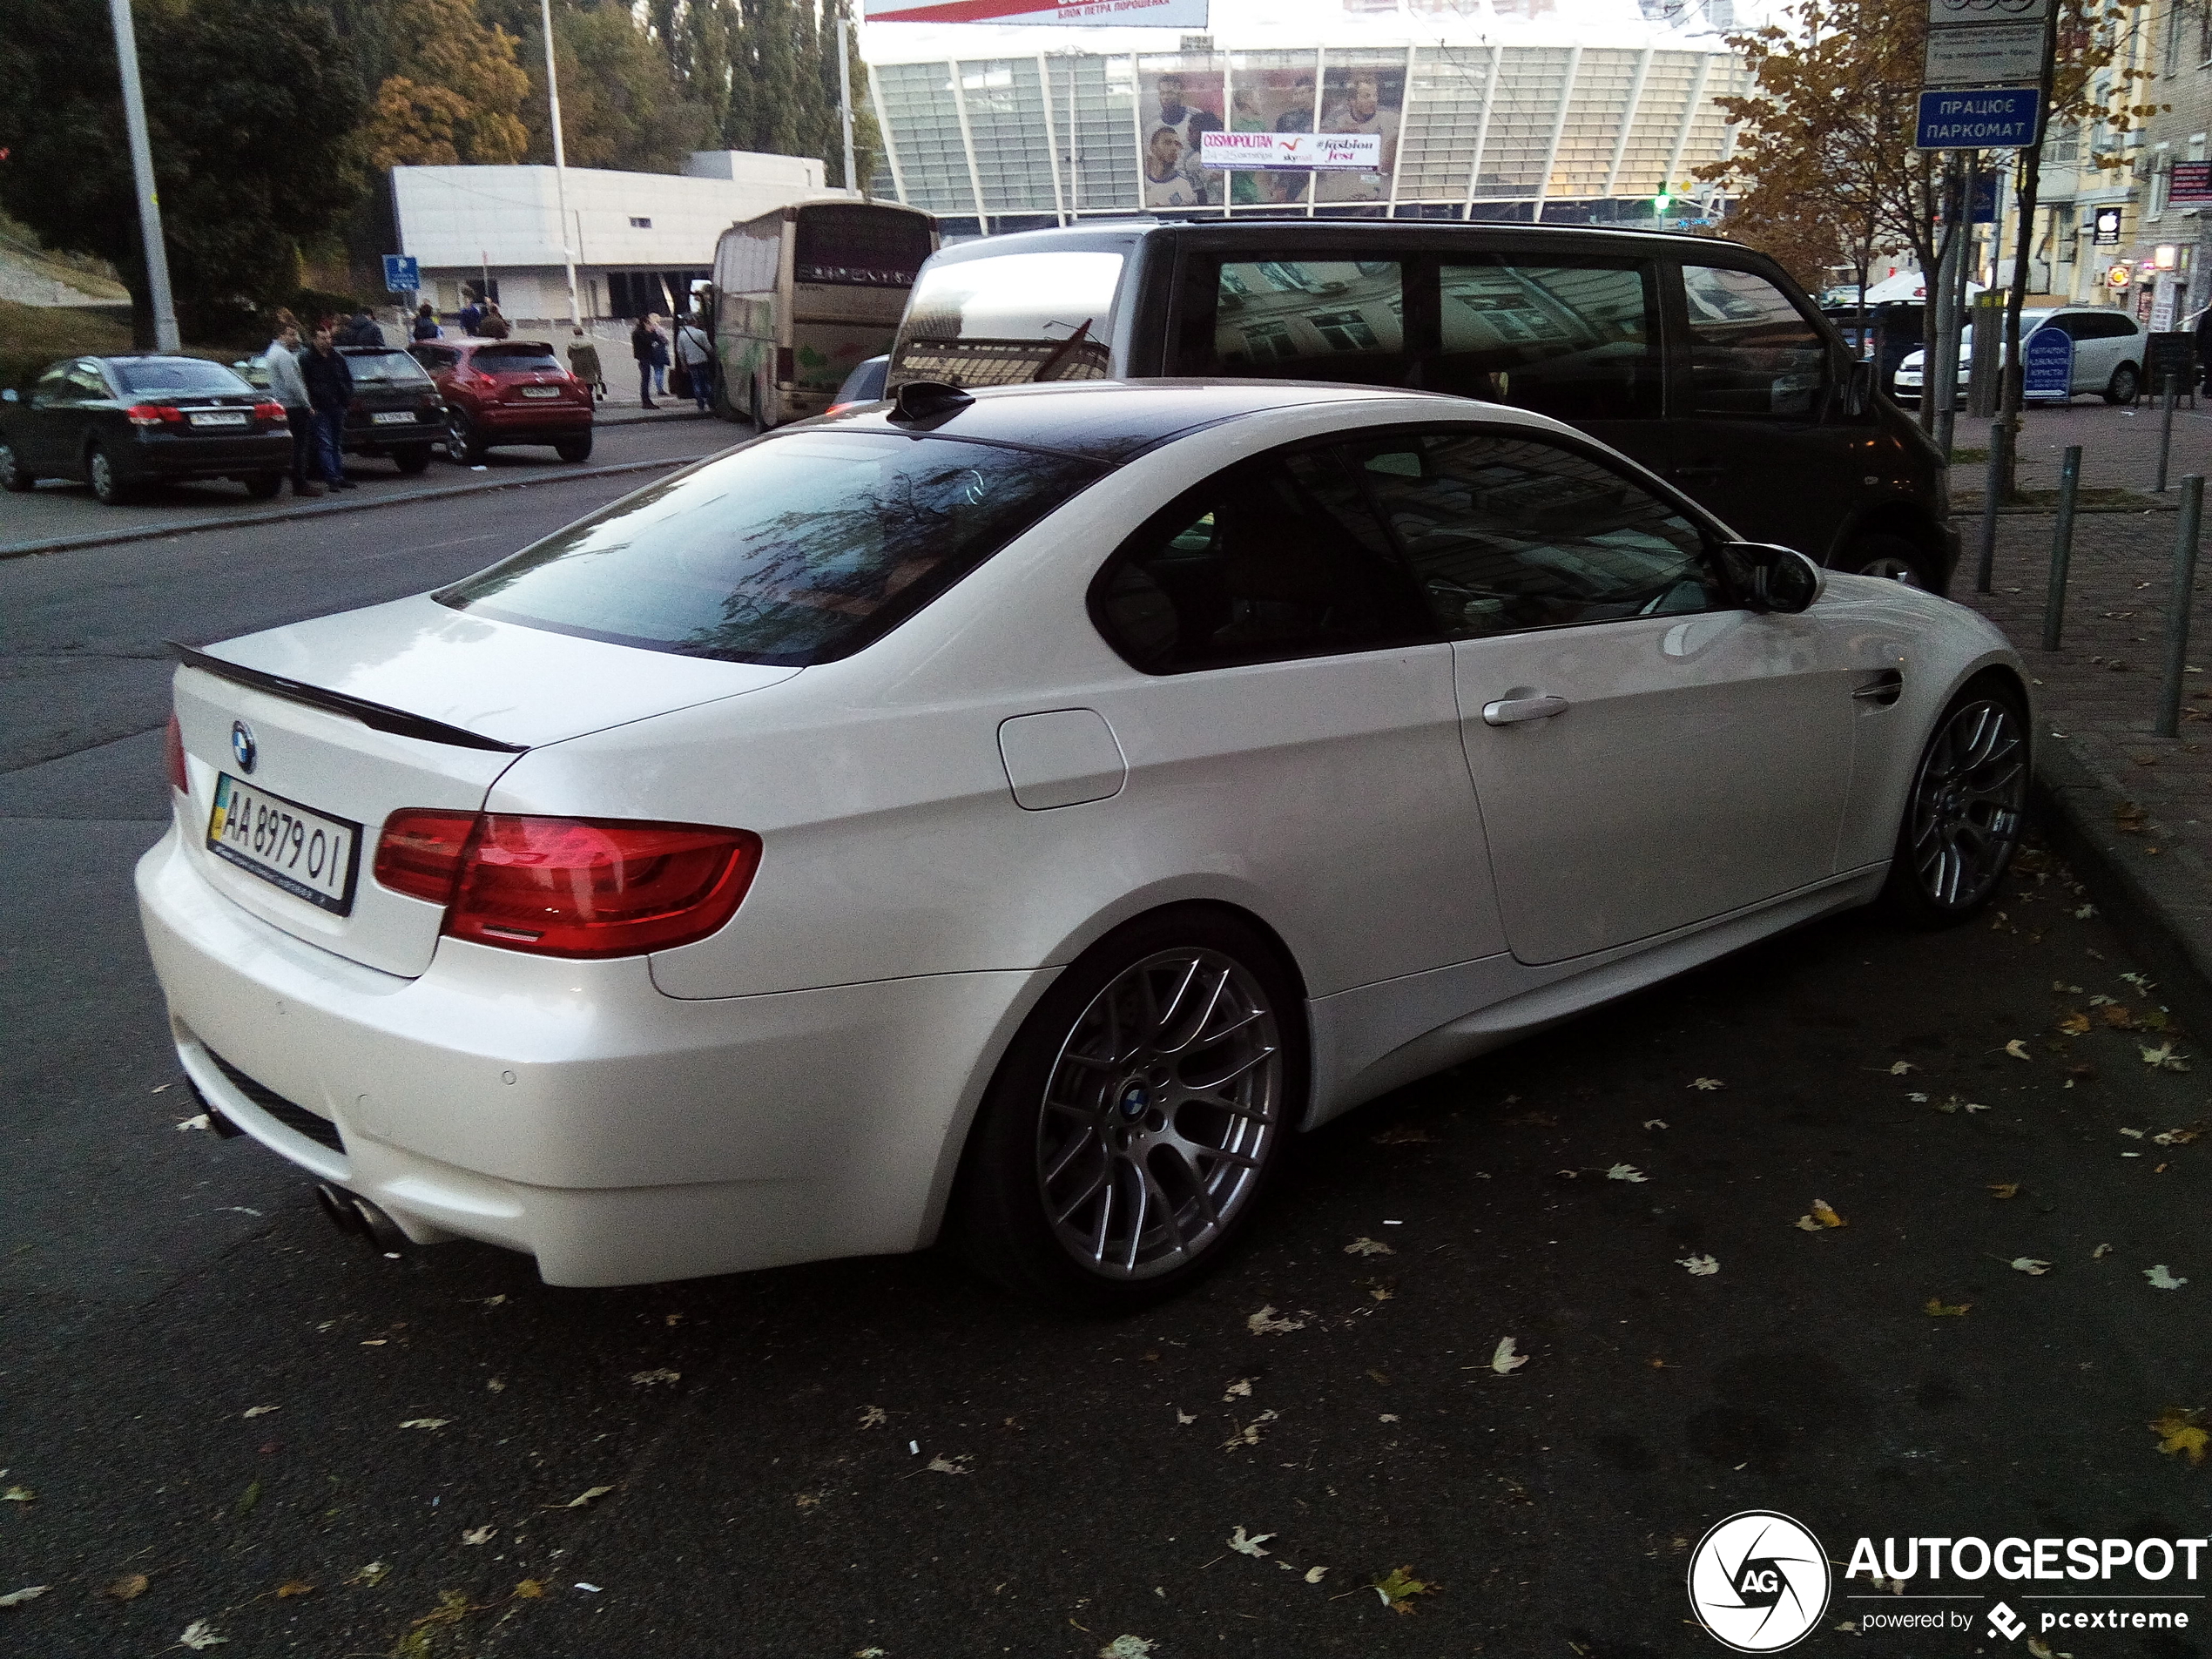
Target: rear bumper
<point x="541" y="423"/>
<point x="160" y="456"/>
<point x="362" y="437"/>
<point x="569" y="1109"/>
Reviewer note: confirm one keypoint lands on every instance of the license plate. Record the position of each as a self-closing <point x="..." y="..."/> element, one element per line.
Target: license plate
<point x="541" y="391"/>
<point x="222" y="417"/>
<point x="309" y="855"/>
<point x="394" y="417"/>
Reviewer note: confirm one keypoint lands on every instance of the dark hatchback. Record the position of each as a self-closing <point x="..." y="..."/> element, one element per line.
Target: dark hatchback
<point x="121" y="424"/>
<point x="396" y="410"/>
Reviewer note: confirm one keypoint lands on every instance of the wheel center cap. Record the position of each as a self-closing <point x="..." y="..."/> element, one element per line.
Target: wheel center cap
<point x="1136" y="1098"/>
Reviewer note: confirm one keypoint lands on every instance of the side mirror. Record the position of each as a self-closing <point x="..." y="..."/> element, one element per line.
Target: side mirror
<point x="1772" y="578"/>
<point x="1859" y="391"/>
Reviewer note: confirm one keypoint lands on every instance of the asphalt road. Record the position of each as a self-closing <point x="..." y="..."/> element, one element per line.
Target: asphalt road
<point x="883" y="1455"/>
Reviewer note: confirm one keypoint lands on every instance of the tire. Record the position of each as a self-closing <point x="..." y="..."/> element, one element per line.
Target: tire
<point x="13" y="477"/>
<point x="1175" y="1040"/>
<point x="262" y="486"/>
<point x="414" y="459"/>
<point x="1882" y="554"/>
<point x="1964" y="811"/>
<point x="461" y="445"/>
<point x="2126" y="383"/>
<point x="107" y="486"/>
<point x="574" y="449"/>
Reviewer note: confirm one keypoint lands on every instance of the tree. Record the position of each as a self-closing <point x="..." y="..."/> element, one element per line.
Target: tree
<point x="251" y="107"/>
<point x="455" y="94"/>
<point x="767" y="72"/>
<point x="623" y="104"/>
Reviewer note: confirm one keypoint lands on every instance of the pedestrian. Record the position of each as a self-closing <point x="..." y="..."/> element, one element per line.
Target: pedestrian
<point x="648" y="345"/>
<point x="493" y="327"/>
<point x="330" y="390"/>
<point x="281" y="363"/>
<point x="360" y="330"/>
<point x="583" y="363"/>
<point x="694" y="356"/>
<point x="426" y="324"/>
<point x="2204" y="344"/>
<point x="472" y="314"/>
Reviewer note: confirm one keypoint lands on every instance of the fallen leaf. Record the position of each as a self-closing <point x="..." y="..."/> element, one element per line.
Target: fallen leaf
<point x="2018" y="1050"/>
<point x="1185" y="1418"/>
<point x="872" y="1417"/>
<point x="1655" y="1122"/>
<point x="1124" y="1647"/>
<point x="2038" y="1648"/>
<point x="2029" y="1264"/>
<point x="1625" y="1172"/>
<point x="590" y="1495"/>
<point x="2176" y="1137"/>
<point x="1314" y="1574"/>
<point x="18" y="1494"/>
<point x="2133" y="1134"/>
<point x="373" y="1574"/>
<point x="29" y="1593"/>
<point x="199" y="1636"/>
<point x="1701" y="1267"/>
<point x="2180" y="1433"/>
<point x="478" y="1534"/>
<point x="1937" y="1308"/>
<point x="2004" y="1189"/>
<point x="260" y="1411"/>
<point x="2163" y="1058"/>
<point x="2161" y="1280"/>
<point x="1504" y="1360"/>
<point x="1249" y="1435"/>
<point x="2101" y="1253"/>
<point x="1387" y="1416"/>
<point x="1707" y="1083"/>
<point x="1398" y="1587"/>
<point x="1901" y="1068"/>
<point x="1266" y="1323"/>
<point x="2129" y="819"/>
<point x="291" y="1587"/>
<point x="941" y="1465"/>
<point x="248" y="1498"/>
<point x="1918" y="1098"/>
<point x="1368" y="1247"/>
<point x="129" y="1588"/>
<point x="1250" y="1545"/>
<point x="1823" y="1217"/>
<point x="200" y="1121"/>
<point x="530" y="1589"/>
<point x="647" y="1378"/>
<point x="2075" y="1025"/>
<point x="1383" y="1293"/>
<point x="426" y="1422"/>
<point x="1241" y="1389"/>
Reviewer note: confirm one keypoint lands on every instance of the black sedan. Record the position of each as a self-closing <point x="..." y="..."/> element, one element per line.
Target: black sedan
<point x="121" y="424"/>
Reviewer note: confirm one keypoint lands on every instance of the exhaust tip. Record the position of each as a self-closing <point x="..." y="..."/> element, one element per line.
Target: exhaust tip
<point x="351" y="1213"/>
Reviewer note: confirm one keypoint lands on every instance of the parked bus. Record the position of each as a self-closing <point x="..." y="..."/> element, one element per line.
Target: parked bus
<point x="804" y="294"/>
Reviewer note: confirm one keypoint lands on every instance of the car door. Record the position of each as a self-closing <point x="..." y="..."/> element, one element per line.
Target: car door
<point x="38" y="419"/>
<point x="1647" y="753"/>
<point x="1757" y="435"/>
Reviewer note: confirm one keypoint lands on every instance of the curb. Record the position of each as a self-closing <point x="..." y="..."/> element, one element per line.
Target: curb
<point x="243" y="521"/>
<point x="2161" y="908"/>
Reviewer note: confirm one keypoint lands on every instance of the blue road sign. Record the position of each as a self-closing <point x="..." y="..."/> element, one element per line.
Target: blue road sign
<point x="402" y="274"/>
<point x="1998" y="118"/>
<point x="2048" y="355"/>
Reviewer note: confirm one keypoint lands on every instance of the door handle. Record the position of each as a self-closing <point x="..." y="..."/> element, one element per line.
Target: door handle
<point x="1513" y="710"/>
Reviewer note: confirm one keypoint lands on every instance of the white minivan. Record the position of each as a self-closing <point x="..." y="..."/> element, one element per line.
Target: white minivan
<point x="2108" y="348"/>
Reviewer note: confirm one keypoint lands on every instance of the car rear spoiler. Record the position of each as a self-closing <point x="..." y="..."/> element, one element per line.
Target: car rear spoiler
<point x="375" y="716"/>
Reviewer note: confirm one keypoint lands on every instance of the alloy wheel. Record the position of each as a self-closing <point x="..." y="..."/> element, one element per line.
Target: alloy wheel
<point x="102" y="475"/>
<point x="1161" y="1107"/>
<point x="458" y="440"/>
<point x="11" y="475"/>
<point x="1965" y="816"/>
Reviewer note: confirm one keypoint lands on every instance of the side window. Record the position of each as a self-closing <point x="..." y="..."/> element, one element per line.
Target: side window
<point x="2116" y="326"/>
<point x="1506" y="533"/>
<point x="53" y="387"/>
<point x="1276" y="557"/>
<point x="1751" y="351"/>
<point x="86" y="383"/>
<point x="1329" y="320"/>
<point x="1580" y="342"/>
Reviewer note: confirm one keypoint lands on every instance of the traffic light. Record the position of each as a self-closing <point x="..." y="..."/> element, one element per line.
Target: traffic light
<point x="1662" y="202"/>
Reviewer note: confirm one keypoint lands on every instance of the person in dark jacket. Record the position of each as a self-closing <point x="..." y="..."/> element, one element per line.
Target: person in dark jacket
<point x="329" y="381"/>
<point x="426" y="325"/>
<point x="649" y="346"/>
<point x="360" y="329"/>
<point x="2204" y="345"/>
<point x="472" y="314"/>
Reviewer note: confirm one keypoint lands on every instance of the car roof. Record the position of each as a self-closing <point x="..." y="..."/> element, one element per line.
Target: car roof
<point x="1113" y="421"/>
<point x="1124" y="233"/>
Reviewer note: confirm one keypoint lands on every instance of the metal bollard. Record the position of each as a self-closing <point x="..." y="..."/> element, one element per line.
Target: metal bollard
<point x="2061" y="546"/>
<point x="2165" y="435"/>
<point x="2177" y="606"/>
<point x="2000" y="439"/>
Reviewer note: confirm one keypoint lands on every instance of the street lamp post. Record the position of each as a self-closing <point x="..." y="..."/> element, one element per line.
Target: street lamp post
<point x="165" y="337"/>
<point x="845" y="93"/>
<point x="560" y="158"/>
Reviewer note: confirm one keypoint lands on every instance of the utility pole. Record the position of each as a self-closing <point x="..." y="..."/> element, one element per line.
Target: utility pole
<point x="165" y="337"/>
<point x="845" y="91"/>
<point x="560" y="160"/>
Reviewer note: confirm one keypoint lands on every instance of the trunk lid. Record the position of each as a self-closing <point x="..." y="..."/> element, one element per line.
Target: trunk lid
<point x="349" y="719"/>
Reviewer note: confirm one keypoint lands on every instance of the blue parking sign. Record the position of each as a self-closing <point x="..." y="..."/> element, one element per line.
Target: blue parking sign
<point x="1997" y="118"/>
<point x="402" y="274"/>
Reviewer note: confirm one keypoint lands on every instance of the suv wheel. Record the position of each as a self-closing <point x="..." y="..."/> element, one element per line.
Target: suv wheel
<point x="1888" y="555"/>
<point x="462" y="445"/>
<point x="2127" y="382"/>
<point x="12" y="475"/>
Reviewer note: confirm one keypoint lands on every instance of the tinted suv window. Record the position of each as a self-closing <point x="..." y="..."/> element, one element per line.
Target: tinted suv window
<point x="1579" y="342"/>
<point x="385" y="369"/>
<point x="796" y="549"/>
<point x="1751" y="351"/>
<point x="1332" y="320"/>
<point x="2108" y="324"/>
<point x="1506" y="533"/>
<point x="1261" y="561"/>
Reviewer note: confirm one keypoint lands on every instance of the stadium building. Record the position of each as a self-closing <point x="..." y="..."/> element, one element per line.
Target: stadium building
<point x="1564" y="110"/>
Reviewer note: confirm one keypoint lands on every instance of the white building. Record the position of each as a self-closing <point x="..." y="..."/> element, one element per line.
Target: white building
<point x="638" y="238"/>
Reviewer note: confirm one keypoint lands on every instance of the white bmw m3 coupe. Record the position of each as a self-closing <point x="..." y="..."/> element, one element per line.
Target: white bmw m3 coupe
<point x="1007" y="816"/>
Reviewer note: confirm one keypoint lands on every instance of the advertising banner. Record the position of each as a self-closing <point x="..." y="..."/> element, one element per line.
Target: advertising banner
<point x="1365" y="102"/>
<point x="1177" y="110"/>
<point x="1078" y="14"/>
<point x="1281" y="103"/>
<point x="1292" y="152"/>
<point x="2191" y="183"/>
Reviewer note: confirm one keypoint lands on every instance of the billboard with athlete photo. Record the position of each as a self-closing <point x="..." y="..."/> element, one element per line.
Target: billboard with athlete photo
<point x="1272" y="100"/>
<point x="1175" y="109"/>
<point x="1368" y="101"/>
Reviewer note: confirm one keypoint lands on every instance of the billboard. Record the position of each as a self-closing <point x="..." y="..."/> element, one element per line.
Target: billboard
<point x="1091" y="14"/>
<point x="1176" y="109"/>
<point x="1363" y="102"/>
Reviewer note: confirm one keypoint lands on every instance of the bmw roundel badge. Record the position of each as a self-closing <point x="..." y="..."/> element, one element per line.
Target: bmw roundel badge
<point x="242" y="745"/>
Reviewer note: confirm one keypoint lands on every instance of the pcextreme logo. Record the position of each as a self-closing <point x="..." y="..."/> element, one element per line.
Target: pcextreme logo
<point x="1758" y="1581"/>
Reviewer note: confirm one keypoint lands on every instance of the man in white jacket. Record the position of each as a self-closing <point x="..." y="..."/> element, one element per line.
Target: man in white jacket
<point x="696" y="352"/>
<point x="282" y="362"/>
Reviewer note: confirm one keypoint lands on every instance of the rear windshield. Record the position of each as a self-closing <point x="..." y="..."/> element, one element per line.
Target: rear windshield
<point x="523" y="357"/>
<point x="859" y="245"/>
<point x="797" y="549"/>
<point x="385" y="369"/>
<point x="1010" y="318"/>
<point x="149" y="375"/>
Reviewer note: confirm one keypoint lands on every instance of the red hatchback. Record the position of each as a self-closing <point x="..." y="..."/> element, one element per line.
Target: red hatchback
<point x="507" y="391"/>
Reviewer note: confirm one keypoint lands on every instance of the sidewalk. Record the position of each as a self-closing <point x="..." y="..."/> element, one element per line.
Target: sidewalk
<point x="2133" y="813"/>
<point x="2119" y="450"/>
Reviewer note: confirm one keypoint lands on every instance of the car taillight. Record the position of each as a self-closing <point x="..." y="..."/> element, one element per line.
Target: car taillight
<point x="270" y="410"/>
<point x="153" y="414"/>
<point x="174" y="747"/>
<point x="569" y="887"/>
